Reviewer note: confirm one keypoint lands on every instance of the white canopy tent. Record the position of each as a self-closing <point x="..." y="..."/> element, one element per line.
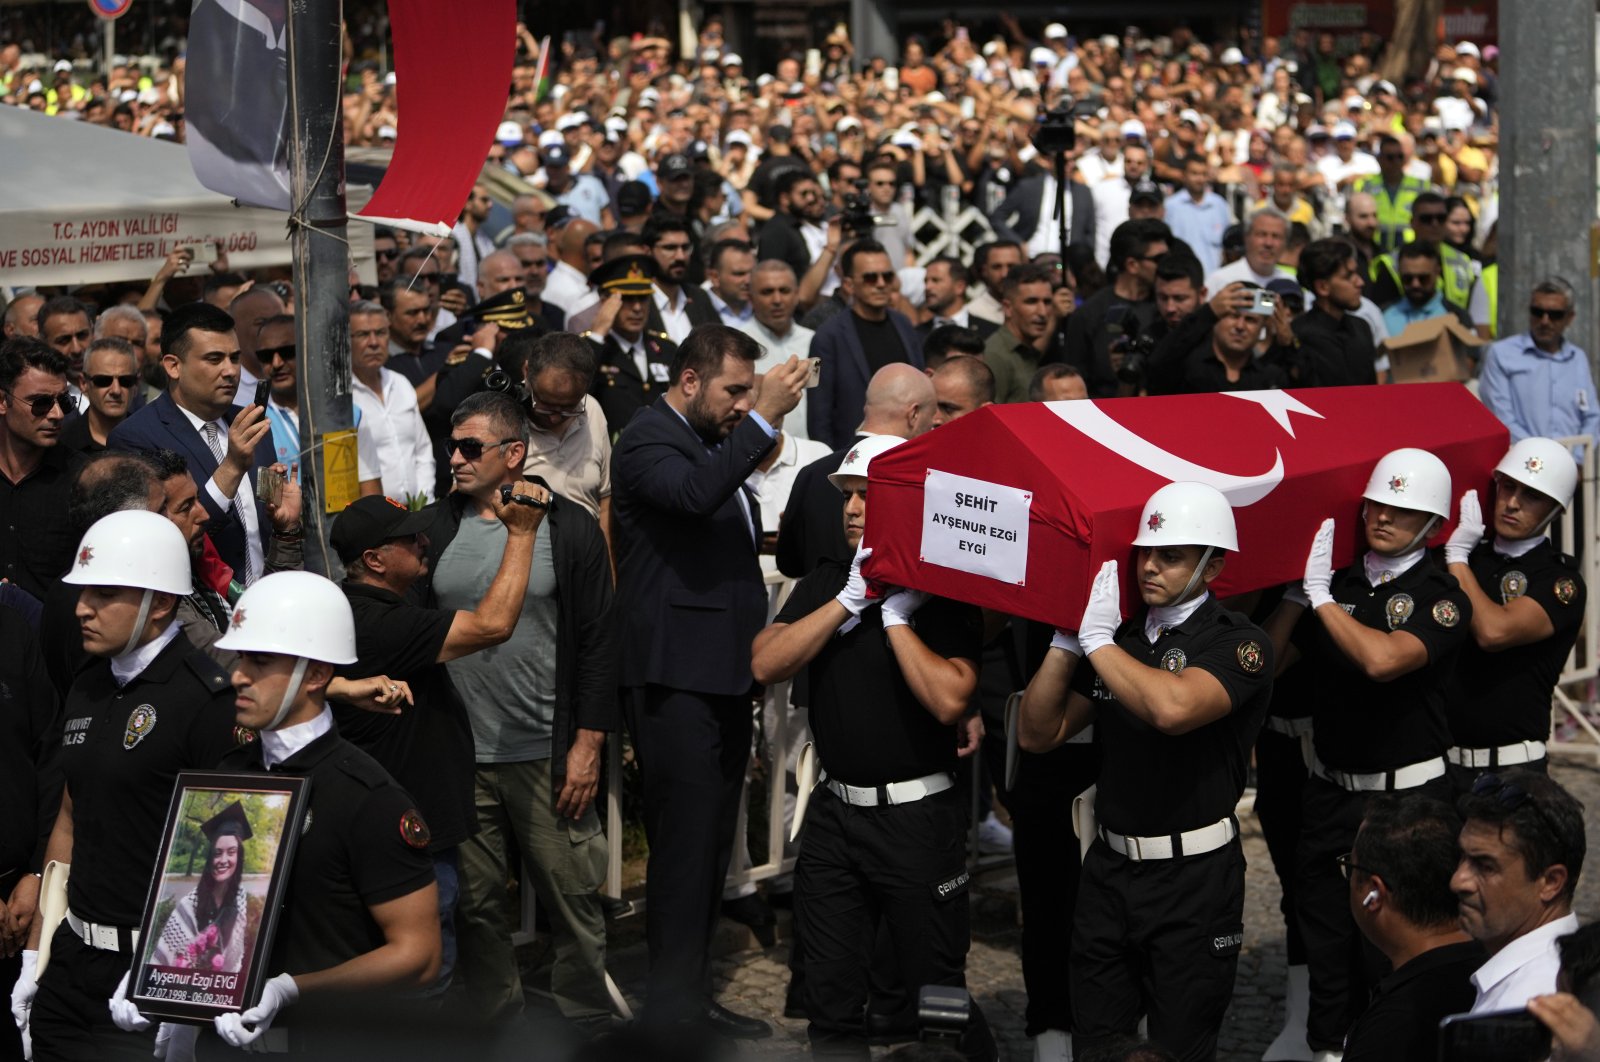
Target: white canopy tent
<point x="89" y="205"/>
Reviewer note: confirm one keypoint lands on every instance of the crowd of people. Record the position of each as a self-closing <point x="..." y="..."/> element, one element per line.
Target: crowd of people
<point x="597" y="422"/>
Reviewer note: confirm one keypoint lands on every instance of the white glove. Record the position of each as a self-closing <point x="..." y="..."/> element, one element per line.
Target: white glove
<point x="22" y="994"/>
<point x="125" y="1015"/>
<point x="279" y="993"/>
<point x="1295" y="594"/>
<point x="900" y="606"/>
<point x="175" y="1043"/>
<point x="1101" y="615"/>
<point x="1468" y="533"/>
<point x="854" y="595"/>
<point x="1067" y="640"/>
<point x="1319" y="567"/>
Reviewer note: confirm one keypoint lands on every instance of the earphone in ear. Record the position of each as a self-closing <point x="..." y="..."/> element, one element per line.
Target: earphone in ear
<point x="1371" y="898"/>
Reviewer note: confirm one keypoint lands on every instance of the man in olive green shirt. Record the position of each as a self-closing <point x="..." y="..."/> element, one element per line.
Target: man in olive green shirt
<point x="1013" y="351"/>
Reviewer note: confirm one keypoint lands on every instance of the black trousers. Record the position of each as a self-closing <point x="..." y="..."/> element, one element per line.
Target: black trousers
<point x="1159" y="937"/>
<point x="693" y="750"/>
<point x="1047" y="863"/>
<point x="10" y="1037"/>
<point x="1280" y="786"/>
<point x="1343" y="966"/>
<point x="904" y="865"/>
<point x="71" y="1020"/>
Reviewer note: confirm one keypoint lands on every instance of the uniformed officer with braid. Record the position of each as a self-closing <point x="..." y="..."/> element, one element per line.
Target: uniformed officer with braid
<point x="1177" y="695"/>
<point x="145" y="706"/>
<point x="1527" y="608"/>
<point x="634" y="361"/>
<point x="360" y="910"/>
<point x="1380" y="639"/>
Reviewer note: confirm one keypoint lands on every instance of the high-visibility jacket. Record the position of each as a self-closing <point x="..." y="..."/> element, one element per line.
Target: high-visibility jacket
<point x="1394" y="211"/>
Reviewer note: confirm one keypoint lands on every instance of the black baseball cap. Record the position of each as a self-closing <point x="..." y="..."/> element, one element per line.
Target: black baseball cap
<point x="369" y="522"/>
<point x="675" y="165"/>
<point x="1146" y="190"/>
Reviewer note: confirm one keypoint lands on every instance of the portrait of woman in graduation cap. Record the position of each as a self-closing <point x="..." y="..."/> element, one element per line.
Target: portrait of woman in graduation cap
<point x="209" y="928"/>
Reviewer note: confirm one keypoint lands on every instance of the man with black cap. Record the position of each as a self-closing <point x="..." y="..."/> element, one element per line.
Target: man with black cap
<point x="428" y="747"/>
<point x="582" y="194"/>
<point x="675" y="181"/>
<point x="633" y="205"/>
<point x="634" y="361"/>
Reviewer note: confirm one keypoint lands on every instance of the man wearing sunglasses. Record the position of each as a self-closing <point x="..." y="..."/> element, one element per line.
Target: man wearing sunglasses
<point x="1538" y="382"/>
<point x="36" y="544"/>
<point x="1522" y="847"/>
<point x="1458" y="271"/>
<point x="110" y="380"/>
<point x="1424" y="299"/>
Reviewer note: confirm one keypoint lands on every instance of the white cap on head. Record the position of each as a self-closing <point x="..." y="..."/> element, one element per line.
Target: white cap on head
<point x="1231" y="57"/>
<point x="1133" y="129"/>
<point x="1188" y="514"/>
<point x="63" y="66"/>
<point x="1344" y="131"/>
<point x="550" y="137"/>
<point x="1055" y="31"/>
<point x="1464" y="73"/>
<point x="293" y="614"/>
<point x="571" y="121"/>
<point x="1543" y="464"/>
<point x="1468" y="48"/>
<point x="738" y="136"/>
<point x="1041" y="57"/>
<point x="860" y="456"/>
<point x="732" y="59"/>
<point x="1192" y="116"/>
<point x="1409" y="478"/>
<point x="133" y="548"/>
<point x="509" y="133"/>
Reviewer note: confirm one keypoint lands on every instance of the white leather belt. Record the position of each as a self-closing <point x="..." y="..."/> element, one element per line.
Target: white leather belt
<point x="1504" y="756"/>
<point x="1194" y="842"/>
<point x="1408" y="777"/>
<point x="1288" y="727"/>
<point x="870" y="796"/>
<point x="103" y="938"/>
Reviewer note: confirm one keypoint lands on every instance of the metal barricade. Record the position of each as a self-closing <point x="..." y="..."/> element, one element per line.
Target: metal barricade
<point x="1574" y="690"/>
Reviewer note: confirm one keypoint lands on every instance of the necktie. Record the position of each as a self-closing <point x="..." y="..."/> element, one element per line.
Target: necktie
<point x="214" y="440"/>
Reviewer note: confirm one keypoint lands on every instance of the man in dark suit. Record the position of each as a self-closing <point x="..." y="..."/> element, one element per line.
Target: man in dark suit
<point x="944" y="294"/>
<point x="222" y="443"/>
<point x="900" y="401"/>
<point x="634" y="360"/>
<point x="691" y="599"/>
<point x="677" y="305"/>
<point x="856" y="344"/>
<point x="1028" y="214"/>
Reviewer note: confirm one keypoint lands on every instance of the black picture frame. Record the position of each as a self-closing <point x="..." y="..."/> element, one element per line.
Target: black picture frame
<point x="204" y="952"/>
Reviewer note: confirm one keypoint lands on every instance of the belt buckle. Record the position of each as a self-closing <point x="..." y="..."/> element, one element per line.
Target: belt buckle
<point x="1135" y="849"/>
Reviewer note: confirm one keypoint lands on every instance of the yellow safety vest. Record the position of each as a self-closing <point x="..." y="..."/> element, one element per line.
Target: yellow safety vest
<point x="1491" y="289"/>
<point x="1456" y="276"/>
<point x="1394" y="212"/>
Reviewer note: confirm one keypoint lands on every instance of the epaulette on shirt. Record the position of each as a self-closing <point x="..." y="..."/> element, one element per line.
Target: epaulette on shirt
<point x="661" y="335"/>
<point x="363" y="768"/>
<point x="208" y="671"/>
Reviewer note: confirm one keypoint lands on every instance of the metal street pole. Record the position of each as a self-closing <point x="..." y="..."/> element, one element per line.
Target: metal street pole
<point x="321" y="272"/>
<point x="1547" y="159"/>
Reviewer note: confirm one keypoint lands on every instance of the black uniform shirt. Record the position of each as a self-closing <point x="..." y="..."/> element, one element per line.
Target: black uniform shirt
<point x="121" y="750"/>
<point x="363" y="844"/>
<point x="428" y="746"/>
<point x="1366" y="726"/>
<point x="29" y="787"/>
<point x="1154" y="784"/>
<point x="36" y="542"/>
<point x="869" y="727"/>
<point x="1505" y="697"/>
<point x="1401" y="1024"/>
<point x="617" y="385"/>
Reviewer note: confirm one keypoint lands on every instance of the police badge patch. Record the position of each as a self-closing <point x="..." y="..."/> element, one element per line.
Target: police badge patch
<point x="1251" y="657"/>
<point x="1512" y="586"/>
<point x="1446" y="614"/>
<point x="1399" y="609"/>
<point x="1566" y="590"/>
<point x="1174" y="660"/>
<point x="140" y="723"/>
<point x="413" y="830"/>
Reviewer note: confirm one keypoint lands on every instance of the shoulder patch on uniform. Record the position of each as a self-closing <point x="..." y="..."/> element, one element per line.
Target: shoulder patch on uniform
<point x="1566" y="590"/>
<point x="1446" y="613"/>
<point x="413" y="831"/>
<point x="208" y="671"/>
<point x="1251" y="658"/>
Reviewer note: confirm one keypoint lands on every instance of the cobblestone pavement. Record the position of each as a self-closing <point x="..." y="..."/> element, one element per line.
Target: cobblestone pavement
<point x="753" y="981"/>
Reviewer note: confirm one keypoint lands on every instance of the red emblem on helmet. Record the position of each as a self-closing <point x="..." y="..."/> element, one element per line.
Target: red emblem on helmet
<point x="85" y="555"/>
<point x="1155" y="522"/>
<point x="238" y="617"/>
<point x="1534" y="464"/>
<point x="1397" y="484"/>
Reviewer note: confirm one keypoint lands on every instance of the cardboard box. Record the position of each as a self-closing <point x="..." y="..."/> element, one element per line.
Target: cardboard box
<point x="1014" y="507"/>
<point x="1432" y="351"/>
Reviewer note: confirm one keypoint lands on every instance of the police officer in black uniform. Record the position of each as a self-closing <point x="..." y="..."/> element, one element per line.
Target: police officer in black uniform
<point x="635" y="362"/>
<point x="885" y="832"/>
<point x="1527" y="608"/>
<point x="1379" y="642"/>
<point x="145" y="706"/>
<point x="360" y="912"/>
<point x="1176" y="695"/>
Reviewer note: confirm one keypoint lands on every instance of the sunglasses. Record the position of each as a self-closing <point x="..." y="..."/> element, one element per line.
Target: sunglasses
<point x="1409" y="279"/>
<point x="1537" y="312"/>
<point x="1347" y="863"/>
<point x="386" y="256"/>
<point x="1427" y="219"/>
<point x="472" y="449"/>
<point x="425" y="278"/>
<point x="1512" y="797"/>
<point x="266" y="354"/>
<point x="874" y="278"/>
<point x="39" y="405"/>
<point x="103" y="381"/>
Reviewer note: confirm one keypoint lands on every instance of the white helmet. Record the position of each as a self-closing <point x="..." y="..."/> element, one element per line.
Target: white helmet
<point x="293" y="614"/>
<point x="1543" y="464"/>
<point x="1188" y="514"/>
<point x="133" y="548"/>
<point x="861" y="454"/>
<point x="1409" y="478"/>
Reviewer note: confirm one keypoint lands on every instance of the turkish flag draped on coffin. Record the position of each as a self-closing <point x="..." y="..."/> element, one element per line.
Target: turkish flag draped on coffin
<point x="1015" y="507"/>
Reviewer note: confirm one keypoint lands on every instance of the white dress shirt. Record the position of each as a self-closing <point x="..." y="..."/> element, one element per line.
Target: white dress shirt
<point x="279" y="745"/>
<point x="125" y="667"/>
<point x="772" y="487"/>
<point x="568" y="290"/>
<point x="674" y="314"/>
<point x="1523" y="969"/>
<point x="244" y="498"/>
<point x="404" y="451"/>
<point x="775" y="350"/>
<point x="1046" y="238"/>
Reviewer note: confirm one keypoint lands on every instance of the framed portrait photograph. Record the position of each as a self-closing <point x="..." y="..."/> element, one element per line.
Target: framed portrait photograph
<point x="212" y="907"/>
